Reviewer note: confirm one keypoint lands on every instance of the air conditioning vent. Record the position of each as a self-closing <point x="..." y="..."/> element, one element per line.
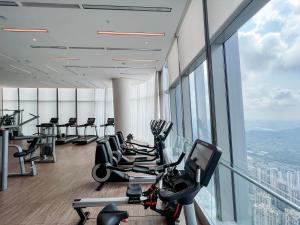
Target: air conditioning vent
<point x="82" y="67"/>
<point x="127" y="8"/>
<point x="8" y="3"/>
<point x="86" y="48"/>
<point x="133" y="49"/>
<point x="50" y="5"/>
<point x="53" y="47"/>
<point x="121" y="67"/>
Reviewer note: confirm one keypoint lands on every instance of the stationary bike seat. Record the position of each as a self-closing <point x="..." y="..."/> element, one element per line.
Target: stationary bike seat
<point x="110" y="215"/>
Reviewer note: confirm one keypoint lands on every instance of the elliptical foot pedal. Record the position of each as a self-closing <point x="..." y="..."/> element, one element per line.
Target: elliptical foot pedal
<point x="134" y="192"/>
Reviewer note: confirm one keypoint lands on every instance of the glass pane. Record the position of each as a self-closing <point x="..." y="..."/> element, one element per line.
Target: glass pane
<point x="85" y="94"/>
<point x="47" y="104"/>
<point x="179" y="110"/>
<point x="47" y="94"/>
<point x="85" y="108"/>
<point x="186" y="106"/>
<point x="66" y="94"/>
<point x="10" y="99"/>
<point x="28" y="94"/>
<point x="109" y="108"/>
<point x="269" y="64"/>
<point x="66" y="106"/>
<point x="193" y="106"/>
<point x="28" y="103"/>
<point x="10" y="94"/>
<point x="202" y="96"/>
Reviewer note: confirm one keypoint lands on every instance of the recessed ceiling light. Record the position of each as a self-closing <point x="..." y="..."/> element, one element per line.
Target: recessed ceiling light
<point x="63" y="58"/>
<point x="130" y="33"/>
<point x="9" y="29"/>
<point x="34" y="39"/>
<point x="135" y="60"/>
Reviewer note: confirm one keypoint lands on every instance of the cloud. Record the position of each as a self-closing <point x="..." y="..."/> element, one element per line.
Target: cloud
<point x="270" y="62"/>
<point x="272" y="46"/>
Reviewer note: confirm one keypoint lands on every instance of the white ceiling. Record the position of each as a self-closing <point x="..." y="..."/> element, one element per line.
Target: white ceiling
<point x="24" y="66"/>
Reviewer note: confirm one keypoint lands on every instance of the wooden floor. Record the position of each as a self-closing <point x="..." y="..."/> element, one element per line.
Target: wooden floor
<point x="47" y="198"/>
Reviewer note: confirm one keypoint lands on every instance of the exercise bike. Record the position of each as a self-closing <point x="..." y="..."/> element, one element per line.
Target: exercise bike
<point x="180" y="189"/>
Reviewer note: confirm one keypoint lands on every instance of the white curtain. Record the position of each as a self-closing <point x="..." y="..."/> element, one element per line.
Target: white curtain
<point x="144" y="101"/>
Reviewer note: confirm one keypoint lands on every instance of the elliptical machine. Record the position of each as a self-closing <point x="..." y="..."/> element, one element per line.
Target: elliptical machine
<point x="106" y="168"/>
<point x="129" y="145"/>
<point x="156" y="152"/>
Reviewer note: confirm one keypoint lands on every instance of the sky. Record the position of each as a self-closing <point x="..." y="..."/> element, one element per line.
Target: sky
<point x="270" y="62"/>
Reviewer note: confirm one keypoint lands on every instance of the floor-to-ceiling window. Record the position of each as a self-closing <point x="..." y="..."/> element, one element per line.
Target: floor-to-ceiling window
<point x="269" y="66"/>
<point x="200" y="125"/>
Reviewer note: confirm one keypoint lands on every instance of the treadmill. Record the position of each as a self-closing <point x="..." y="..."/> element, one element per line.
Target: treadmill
<point x="110" y="122"/>
<point x="86" y="139"/>
<point x="67" y="138"/>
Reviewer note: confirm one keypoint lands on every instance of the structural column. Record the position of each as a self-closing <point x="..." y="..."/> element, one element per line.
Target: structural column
<point x="121" y="96"/>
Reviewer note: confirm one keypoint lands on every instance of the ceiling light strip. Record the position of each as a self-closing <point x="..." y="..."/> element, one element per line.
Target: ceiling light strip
<point x="116" y="33"/>
<point x="127" y="8"/>
<point x="9" y="29"/>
